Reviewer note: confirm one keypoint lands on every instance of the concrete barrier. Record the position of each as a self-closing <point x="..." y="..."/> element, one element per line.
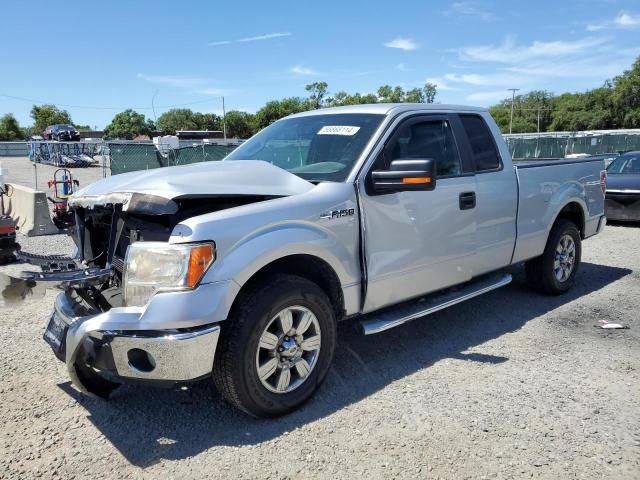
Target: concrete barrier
<point x="29" y="208"/>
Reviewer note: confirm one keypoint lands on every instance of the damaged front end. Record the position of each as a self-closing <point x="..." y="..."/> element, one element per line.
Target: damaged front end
<point x="104" y="339"/>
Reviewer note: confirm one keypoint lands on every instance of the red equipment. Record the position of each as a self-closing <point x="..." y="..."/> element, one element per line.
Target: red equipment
<point x="62" y="186"/>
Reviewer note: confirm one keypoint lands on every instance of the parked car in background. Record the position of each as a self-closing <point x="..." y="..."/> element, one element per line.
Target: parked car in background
<point x="61" y="133"/>
<point x="607" y="157"/>
<point x="622" y="201"/>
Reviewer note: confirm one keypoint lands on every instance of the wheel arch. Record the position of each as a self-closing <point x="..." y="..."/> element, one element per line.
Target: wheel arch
<point x="307" y="266"/>
<point x="573" y="211"/>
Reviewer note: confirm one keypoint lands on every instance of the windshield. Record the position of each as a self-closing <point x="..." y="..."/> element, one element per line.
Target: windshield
<point x="316" y="148"/>
<point x="625" y="164"/>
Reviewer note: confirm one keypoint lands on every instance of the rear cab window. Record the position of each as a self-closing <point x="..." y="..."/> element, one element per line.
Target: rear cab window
<point x="482" y="144"/>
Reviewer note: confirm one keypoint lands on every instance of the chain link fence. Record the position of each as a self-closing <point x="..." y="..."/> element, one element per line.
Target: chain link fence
<point x="132" y="156"/>
<point x="560" y="144"/>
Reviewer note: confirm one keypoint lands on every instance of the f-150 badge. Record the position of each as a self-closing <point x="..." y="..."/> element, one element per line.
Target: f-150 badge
<point x="347" y="212"/>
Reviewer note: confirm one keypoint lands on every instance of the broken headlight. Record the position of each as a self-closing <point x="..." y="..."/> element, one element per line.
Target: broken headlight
<point x="157" y="266"/>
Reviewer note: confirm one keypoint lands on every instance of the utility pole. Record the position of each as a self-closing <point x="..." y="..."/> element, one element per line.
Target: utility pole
<point x="224" y="121"/>
<point x="153" y="107"/>
<point x="513" y="99"/>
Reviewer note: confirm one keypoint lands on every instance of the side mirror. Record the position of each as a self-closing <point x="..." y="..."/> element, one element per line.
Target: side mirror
<point x="406" y="175"/>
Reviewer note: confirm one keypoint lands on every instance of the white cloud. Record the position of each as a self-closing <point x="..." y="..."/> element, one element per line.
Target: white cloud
<point x="440" y="83"/>
<point x="485" y="80"/>
<point x="628" y="20"/>
<point x="509" y="52"/>
<point x="171" y="80"/>
<point x="266" y="36"/>
<point x="596" y="27"/>
<point x="257" y="38"/>
<point x="405" y="44"/>
<point x="485" y="98"/>
<point x="302" y="71"/>
<point x="471" y="9"/>
<point x="623" y="20"/>
<point x="213" y="91"/>
<point x="195" y="85"/>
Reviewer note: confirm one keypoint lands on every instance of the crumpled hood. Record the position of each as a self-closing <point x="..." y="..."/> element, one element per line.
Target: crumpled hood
<point x="243" y="177"/>
<point x="623" y="182"/>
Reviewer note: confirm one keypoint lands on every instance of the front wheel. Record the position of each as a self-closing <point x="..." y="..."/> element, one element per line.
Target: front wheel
<point x="554" y="272"/>
<point x="277" y="346"/>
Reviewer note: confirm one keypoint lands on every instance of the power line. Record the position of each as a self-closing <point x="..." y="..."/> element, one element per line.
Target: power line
<point x="95" y="107"/>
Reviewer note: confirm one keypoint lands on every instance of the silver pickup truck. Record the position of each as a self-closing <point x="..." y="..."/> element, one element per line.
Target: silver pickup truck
<point x="239" y="270"/>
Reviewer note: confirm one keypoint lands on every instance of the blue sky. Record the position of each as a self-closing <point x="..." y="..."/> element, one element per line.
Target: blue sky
<point x="95" y="60"/>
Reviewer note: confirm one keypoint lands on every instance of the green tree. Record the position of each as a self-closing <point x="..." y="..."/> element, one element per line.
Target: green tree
<point x="430" y="91"/>
<point x="208" y="121"/>
<point x="415" y="95"/>
<point x="126" y="125"/>
<point x="45" y="115"/>
<point x="9" y="128"/>
<point x="626" y="97"/>
<point x="343" y="98"/>
<point x="388" y="94"/>
<point x="592" y="110"/>
<point x="177" y="119"/>
<point x="184" y="119"/>
<point x="82" y="128"/>
<point x="318" y="92"/>
<point x="526" y="109"/>
<point x="277" y="109"/>
<point x="239" y="124"/>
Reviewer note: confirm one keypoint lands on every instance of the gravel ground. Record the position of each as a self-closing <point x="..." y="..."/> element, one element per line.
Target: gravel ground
<point x="508" y="385"/>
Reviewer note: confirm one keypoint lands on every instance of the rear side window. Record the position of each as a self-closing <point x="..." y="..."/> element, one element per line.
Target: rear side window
<point x="480" y="138"/>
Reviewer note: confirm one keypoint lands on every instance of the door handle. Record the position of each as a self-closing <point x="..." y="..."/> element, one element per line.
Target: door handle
<point x="467" y="200"/>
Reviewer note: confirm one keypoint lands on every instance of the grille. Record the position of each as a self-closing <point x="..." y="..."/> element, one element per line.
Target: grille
<point x="118" y="264"/>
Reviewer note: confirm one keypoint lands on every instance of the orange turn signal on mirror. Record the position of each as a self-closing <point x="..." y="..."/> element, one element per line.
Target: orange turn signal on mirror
<point x="416" y="180"/>
<point x="200" y="258"/>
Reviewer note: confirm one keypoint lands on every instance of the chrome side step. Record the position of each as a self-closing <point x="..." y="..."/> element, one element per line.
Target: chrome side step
<point x="389" y="317"/>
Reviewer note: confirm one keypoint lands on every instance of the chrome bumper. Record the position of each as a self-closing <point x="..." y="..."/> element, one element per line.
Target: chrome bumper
<point x="137" y="352"/>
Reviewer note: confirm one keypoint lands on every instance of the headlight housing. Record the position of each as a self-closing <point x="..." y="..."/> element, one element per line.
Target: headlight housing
<point x="157" y="266"/>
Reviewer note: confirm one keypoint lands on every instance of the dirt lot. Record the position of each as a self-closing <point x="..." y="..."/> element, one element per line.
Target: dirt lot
<point x="22" y="171"/>
<point x="509" y="385"/>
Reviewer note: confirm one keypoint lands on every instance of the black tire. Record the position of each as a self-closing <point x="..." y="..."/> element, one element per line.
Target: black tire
<point x="234" y="371"/>
<point x="95" y="384"/>
<point x="540" y="271"/>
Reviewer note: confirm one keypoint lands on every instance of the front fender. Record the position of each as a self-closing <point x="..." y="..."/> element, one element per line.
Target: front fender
<point x="266" y="245"/>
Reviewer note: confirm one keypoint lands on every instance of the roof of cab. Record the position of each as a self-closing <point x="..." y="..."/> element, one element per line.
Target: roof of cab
<point x="390" y="108"/>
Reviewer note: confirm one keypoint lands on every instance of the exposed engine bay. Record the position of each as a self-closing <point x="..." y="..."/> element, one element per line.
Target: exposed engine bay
<point x="103" y="234"/>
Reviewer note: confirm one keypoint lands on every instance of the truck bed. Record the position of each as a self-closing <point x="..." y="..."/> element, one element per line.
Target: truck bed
<point x="546" y="162"/>
<point x="544" y="188"/>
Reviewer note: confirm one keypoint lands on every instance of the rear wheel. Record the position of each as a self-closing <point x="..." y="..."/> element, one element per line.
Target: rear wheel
<point x="555" y="270"/>
<point x="277" y="346"/>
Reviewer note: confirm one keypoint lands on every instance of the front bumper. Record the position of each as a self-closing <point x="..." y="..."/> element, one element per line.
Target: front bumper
<point x="119" y="345"/>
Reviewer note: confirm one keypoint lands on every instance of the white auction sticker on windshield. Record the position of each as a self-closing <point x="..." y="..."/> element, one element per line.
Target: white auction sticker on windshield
<point x="338" y="130"/>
